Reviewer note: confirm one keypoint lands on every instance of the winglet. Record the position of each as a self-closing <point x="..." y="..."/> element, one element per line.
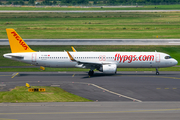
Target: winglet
<point x="17" y="44"/>
<point x="74" y="50"/>
<point x="70" y="56"/>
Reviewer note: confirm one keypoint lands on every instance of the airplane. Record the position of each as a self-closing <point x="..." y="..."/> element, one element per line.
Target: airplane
<point x="106" y="62"/>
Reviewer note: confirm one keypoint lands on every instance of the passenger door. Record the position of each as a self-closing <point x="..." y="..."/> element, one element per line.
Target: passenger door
<point x="34" y="57"/>
<point x="157" y="58"/>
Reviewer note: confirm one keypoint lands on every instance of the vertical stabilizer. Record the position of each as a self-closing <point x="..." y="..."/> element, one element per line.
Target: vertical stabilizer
<point x="17" y="44"/>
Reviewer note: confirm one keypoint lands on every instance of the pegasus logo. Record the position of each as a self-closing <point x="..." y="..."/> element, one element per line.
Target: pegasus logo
<point x="23" y="44"/>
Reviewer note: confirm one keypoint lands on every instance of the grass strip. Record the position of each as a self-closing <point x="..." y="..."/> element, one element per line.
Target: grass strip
<point x="52" y="94"/>
<point x="91" y="25"/>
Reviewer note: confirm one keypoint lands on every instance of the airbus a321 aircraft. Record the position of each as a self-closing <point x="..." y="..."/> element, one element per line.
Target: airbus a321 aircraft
<point x="106" y="62"/>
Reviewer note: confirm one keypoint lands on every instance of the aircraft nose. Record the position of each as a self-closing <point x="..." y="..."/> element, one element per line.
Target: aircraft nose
<point x="176" y="62"/>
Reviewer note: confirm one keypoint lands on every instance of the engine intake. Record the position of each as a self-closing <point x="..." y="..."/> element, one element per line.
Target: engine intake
<point x="109" y="69"/>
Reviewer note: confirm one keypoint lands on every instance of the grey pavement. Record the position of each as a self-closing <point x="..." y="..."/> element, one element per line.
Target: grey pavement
<point x="124" y="86"/>
<point x="97" y="41"/>
<point x="91" y="110"/>
<point x="127" y="95"/>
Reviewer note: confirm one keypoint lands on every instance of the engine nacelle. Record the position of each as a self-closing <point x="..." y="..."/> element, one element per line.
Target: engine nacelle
<point x="109" y="69"/>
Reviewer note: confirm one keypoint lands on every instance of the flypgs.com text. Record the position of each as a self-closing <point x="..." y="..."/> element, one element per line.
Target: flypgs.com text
<point x="130" y="58"/>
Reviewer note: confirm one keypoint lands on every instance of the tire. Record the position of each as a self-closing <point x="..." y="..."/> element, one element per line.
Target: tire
<point x="157" y="73"/>
<point x="91" y="72"/>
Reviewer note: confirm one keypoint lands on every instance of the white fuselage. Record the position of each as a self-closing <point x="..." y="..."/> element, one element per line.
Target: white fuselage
<point x="121" y="59"/>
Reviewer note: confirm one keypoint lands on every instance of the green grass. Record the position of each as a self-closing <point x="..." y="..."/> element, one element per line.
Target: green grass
<point x="52" y="94"/>
<point x="174" y="51"/>
<point x="145" y="7"/>
<point x="92" y="25"/>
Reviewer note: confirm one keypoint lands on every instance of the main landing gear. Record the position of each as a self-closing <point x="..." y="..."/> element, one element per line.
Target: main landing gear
<point x="91" y="72"/>
<point x="157" y="73"/>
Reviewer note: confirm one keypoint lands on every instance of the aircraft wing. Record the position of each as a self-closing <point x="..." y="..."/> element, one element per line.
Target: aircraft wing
<point x="87" y="64"/>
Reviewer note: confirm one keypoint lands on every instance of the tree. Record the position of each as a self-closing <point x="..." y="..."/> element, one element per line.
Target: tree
<point x="75" y="1"/>
<point x="54" y="2"/>
<point x="47" y="2"/>
<point x="95" y="2"/>
<point x="140" y="1"/>
<point x="111" y="1"/>
<point x="9" y="2"/>
<point x="31" y="2"/>
<point x="66" y="1"/>
<point x="15" y="3"/>
<point x="21" y="2"/>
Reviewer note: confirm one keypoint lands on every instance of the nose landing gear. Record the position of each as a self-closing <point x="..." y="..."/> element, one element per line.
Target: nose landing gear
<point x="157" y="72"/>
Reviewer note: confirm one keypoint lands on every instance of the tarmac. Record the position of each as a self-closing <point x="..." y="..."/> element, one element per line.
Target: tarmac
<point x="97" y="41"/>
<point x="91" y="111"/>
<point x="124" y="86"/>
<point x="126" y="95"/>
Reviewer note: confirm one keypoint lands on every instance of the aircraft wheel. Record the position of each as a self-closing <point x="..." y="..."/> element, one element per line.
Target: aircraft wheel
<point x="157" y="72"/>
<point x="91" y="72"/>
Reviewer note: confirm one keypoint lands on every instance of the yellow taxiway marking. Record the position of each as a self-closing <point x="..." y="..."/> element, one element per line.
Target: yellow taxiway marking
<point x="98" y="112"/>
<point x="73" y="75"/>
<point x="167" y="88"/>
<point x="158" y="88"/>
<point x="14" y="75"/>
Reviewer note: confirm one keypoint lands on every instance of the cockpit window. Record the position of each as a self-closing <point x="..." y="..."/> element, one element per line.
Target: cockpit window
<point x="168" y="57"/>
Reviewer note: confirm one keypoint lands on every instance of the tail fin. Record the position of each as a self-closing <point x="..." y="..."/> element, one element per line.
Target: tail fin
<point x="17" y="44"/>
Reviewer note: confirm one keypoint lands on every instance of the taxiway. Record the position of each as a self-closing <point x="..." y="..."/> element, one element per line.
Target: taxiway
<point x="127" y="96"/>
<point x="97" y="41"/>
<point x="124" y="86"/>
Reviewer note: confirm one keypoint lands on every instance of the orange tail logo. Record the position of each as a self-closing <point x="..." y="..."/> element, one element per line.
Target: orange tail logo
<point x="17" y="44"/>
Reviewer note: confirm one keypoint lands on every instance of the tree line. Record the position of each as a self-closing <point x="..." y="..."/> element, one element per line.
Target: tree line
<point x="89" y="2"/>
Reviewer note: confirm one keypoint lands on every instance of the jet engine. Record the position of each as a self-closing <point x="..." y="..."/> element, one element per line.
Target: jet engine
<point x="108" y="69"/>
